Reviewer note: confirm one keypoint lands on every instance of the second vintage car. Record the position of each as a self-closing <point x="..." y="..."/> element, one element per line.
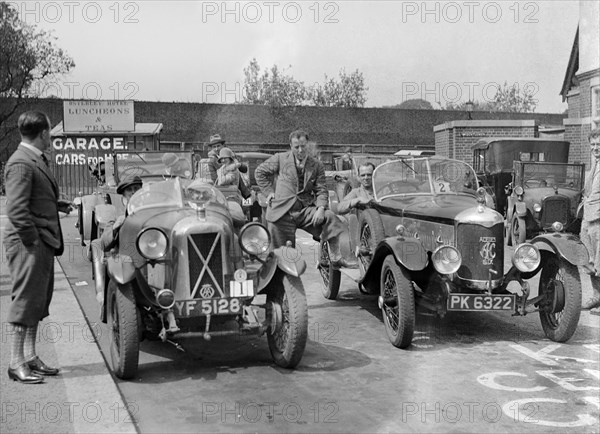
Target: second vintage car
<point x="428" y="239"/>
<point x="182" y="269"/>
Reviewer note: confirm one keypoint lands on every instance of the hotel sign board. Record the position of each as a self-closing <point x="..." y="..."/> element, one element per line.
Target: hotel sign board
<point x="102" y="116"/>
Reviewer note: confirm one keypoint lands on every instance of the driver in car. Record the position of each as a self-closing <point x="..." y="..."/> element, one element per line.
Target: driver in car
<point x="360" y="195"/>
<point x="126" y="188"/>
<point x="176" y="166"/>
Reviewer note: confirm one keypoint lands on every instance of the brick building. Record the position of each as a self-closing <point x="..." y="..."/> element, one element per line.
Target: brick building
<point x="581" y="85"/>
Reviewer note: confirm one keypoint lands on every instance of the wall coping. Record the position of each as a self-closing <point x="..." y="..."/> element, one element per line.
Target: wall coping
<point x="577" y="121"/>
<point x="485" y="124"/>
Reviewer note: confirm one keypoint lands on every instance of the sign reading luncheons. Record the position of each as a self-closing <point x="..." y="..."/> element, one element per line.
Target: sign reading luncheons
<point x="105" y="116"/>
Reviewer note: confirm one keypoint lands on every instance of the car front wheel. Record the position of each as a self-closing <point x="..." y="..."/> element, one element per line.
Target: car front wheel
<point x="288" y="331"/>
<point x="397" y="304"/>
<point x="123" y="324"/>
<point x="561" y="307"/>
<point x="330" y="276"/>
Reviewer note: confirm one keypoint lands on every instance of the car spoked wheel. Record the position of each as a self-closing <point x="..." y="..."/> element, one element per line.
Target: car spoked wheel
<point x="518" y="231"/>
<point x="397" y="304"/>
<point x="561" y="306"/>
<point x="123" y="324"/>
<point x="287" y="336"/>
<point x="371" y="233"/>
<point x="330" y="276"/>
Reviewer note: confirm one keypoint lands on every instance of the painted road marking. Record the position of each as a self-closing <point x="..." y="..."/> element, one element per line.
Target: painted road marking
<point x="545" y="357"/>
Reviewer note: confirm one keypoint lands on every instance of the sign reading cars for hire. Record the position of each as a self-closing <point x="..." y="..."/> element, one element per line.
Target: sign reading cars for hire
<point x="98" y="116"/>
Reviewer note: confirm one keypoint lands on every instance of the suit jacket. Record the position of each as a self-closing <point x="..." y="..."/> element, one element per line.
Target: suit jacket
<point x="591" y="197"/>
<point x="278" y="175"/>
<point x="32" y="201"/>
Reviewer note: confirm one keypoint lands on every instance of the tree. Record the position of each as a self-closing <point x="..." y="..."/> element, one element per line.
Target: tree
<point x="29" y="58"/>
<point x="276" y="88"/>
<point x="348" y="91"/>
<point x="507" y="99"/>
<point x="415" y="104"/>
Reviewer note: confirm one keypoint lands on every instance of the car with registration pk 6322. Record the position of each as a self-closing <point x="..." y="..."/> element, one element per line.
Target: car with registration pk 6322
<point x="428" y="239"/>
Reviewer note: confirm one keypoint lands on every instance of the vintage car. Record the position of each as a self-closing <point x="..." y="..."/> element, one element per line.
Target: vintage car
<point x="182" y="268"/>
<point x="255" y="205"/>
<point x="543" y="197"/>
<point x="428" y="239"/>
<point x="493" y="161"/>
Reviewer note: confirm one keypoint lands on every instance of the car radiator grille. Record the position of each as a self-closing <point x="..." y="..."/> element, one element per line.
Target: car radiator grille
<point x="481" y="249"/>
<point x="206" y="267"/>
<point x="554" y="209"/>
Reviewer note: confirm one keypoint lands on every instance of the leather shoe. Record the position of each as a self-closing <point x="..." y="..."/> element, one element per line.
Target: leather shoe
<point x="591" y="303"/>
<point x="39" y="367"/>
<point x="23" y="374"/>
<point x="343" y="263"/>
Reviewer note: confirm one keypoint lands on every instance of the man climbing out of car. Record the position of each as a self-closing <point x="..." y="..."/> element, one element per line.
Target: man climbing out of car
<point x="362" y="194"/>
<point x="299" y="198"/>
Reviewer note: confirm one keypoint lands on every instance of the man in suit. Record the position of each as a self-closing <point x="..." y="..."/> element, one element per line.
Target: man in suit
<point x="32" y="238"/>
<point x="297" y="197"/>
<point x="590" y="225"/>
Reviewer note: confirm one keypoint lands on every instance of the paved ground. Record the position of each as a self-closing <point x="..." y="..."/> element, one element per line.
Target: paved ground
<point x="468" y="372"/>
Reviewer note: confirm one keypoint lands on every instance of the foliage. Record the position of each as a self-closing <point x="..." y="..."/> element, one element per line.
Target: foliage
<point x="275" y="88"/>
<point x="415" y="104"/>
<point x="28" y="59"/>
<point x="507" y="99"/>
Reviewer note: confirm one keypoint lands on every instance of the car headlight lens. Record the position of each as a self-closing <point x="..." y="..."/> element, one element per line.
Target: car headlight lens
<point x="165" y="298"/>
<point x="518" y="190"/>
<point x="255" y="239"/>
<point x="152" y="243"/>
<point x="537" y="207"/>
<point x="557" y="227"/>
<point x="446" y="259"/>
<point x="526" y="257"/>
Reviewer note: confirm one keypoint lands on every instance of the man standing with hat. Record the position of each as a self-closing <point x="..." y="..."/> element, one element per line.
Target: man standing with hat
<point x="590" y="225"/>
<point x="32" y="238"/>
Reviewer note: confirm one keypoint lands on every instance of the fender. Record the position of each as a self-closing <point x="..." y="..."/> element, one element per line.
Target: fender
<point x="521" y="209"/>
<point x="105" y="214"/>
<point x="567" y="246"/>
<point x="409" y="252"/>
<point x="120" y="268"/>
<point x="287" y="259"/>
<point x="88" y="204"/>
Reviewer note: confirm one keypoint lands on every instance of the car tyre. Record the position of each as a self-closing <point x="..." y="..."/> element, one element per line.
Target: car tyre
<point x="330" y="276"/>
<point x="398" y="303"/>
<point x="287" y="339"/>
<point x="518" y="231"/>
<point x="561" y="308"/>
<point x="123" y="324"/>
<point x="371" y="233"/>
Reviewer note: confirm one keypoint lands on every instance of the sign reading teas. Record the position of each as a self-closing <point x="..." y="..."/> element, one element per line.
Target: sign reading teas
<point x="101" y="116"/>
<point x="84" y="150"/>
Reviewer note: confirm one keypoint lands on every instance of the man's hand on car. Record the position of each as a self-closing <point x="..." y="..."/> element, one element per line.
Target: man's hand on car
<point x="318" y="217"/>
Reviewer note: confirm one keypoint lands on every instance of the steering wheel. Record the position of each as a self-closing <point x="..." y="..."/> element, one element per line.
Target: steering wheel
<point x="137" y="170"/>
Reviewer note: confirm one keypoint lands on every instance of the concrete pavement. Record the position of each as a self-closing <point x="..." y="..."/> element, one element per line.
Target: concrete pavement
<point x="84" y="396"/>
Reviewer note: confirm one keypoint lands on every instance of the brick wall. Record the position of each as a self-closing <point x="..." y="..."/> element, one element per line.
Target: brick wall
<point x="456" y="139"/>
<point x="192" y="122"/>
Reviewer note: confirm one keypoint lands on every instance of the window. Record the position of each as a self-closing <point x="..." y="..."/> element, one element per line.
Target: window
<point x="595" y="106"/>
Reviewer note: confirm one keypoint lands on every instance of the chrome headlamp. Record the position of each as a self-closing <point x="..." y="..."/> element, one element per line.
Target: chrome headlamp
<point x="446" y="259"/>
<point x="152" y="243"/>
<point x="526" y="257"/>
<point x="254" y="239"/>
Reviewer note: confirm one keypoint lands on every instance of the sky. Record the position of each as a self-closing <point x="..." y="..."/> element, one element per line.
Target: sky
<point x="192" y="51"/>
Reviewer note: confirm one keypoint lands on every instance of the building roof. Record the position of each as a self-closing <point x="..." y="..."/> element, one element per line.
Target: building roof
<point x="141" y="129"/>
<point x="572" y="67"/>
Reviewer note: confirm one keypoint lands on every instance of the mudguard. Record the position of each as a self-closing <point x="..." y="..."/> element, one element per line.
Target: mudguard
<point x="567" y="246"/>
<point x="409" y="252"/>
<point x="521" y="209"/>
<point x="287" y="259"/>
<point x="105" y="214"/>
<point x="88" y="205"/>
<point x="120" y="268"/>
